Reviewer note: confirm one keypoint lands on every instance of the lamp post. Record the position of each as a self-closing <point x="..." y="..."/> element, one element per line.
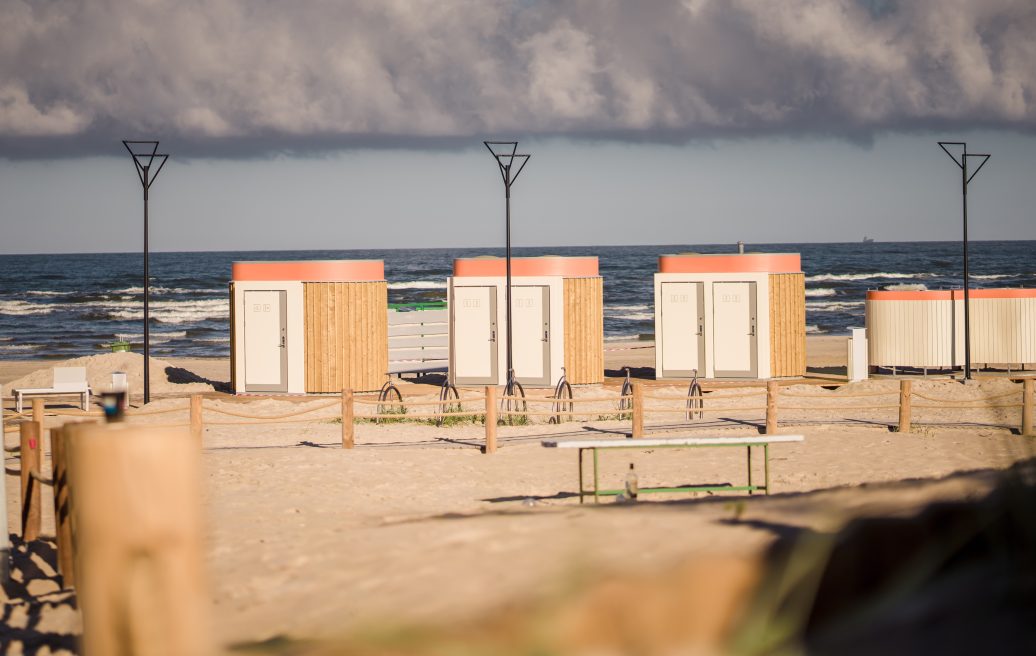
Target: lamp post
<point x="511" y="163"/>
<point x="145" y="155"/>
<point x="965" y="179"/>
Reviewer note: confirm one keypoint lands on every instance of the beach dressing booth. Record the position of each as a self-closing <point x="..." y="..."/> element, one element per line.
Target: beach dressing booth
<point x="730" y="316"/>
<point x="925" y="329"/>
<point x="557" y="320"/>
<point x="308" y="326"/>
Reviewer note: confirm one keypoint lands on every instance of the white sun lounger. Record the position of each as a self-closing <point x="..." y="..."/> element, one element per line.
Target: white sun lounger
<point x="68" y="381"/>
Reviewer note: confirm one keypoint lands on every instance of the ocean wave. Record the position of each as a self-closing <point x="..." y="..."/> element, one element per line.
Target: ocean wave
<point x="820" y="291"/>
<point x="167" y="290"/>
<point x="418" y="284"/>
<point x="833" y="306"/>
<point x="814" y="330"/>
<point x="866" y="276"/>
<point x="993" y="276"/>
<point x="17" y="348"/>
<point x="42" y="292"/>
<point x="906" y="287"/>
<point x="174" y="312"/>
<point x="15" y="308"/>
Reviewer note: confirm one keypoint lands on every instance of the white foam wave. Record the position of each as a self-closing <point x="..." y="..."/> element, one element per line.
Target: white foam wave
<point x="15" y="308"/>
<point x="41" y="292"/>
<point x="833" y="306"/>
<point x="172" y="311"/>
<point x="156" y="337"/>
<point x="813" y="330"/>
<point x="820" y="291"/>
<point x="167" y="290"/>
<point x="865" y="276"/>
<point x="418" y="284"/>
<point x="18" y="348"/>
<point x="626" y="308"/>
<point x="907" y="287"/>
<point x="632" y="316"/>
<point x="993" y="276"/>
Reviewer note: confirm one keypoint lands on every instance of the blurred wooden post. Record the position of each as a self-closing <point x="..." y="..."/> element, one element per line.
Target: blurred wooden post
<point x="638" y="411"/>
<point x="904" y="406"/>
<point x="62" y="508"/>
<point x="138" y="538"/>
<point x="772" y="390"/>
<point x="30" y="462"/>
<point x="1027" y="409"/>
<point x="490" y="419"/>
<point x="197" y="428"/>
<point x="37" y="411"/>
<point x="348" y="420"/>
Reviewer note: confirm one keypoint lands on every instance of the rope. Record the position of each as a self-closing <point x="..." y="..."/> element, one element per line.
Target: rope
<point x="231" y="413"/>
<point x="978" y="400"/>
<point x="970" y="407"/>
<point x="426" y="415"/>
<point x="835" y="395"/>
<point x="144" y="411"/>
<point x="273" y="421"/>
<point x="417" y="403"/>
<point x="76" y="413"/>
<point x="39" y="477"/>
<point x="703" y="397"/>
<point x="683" y="411"/>
<point x="551" y="399"/>
<point x="838" y="407"/>
<point x="11" y="416"/>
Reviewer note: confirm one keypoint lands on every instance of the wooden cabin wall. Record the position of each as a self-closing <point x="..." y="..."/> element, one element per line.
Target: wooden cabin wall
<point x="787" y="324"/>
<point x="584" y="330"/>
<point x="346" y="326"/>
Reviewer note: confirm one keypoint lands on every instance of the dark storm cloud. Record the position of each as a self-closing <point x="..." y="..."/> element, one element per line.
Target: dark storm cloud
<point x="251" y="77"/>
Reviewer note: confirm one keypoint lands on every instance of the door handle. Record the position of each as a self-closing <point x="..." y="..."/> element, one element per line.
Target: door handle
<point x="546" y="336"/>
<point x="701" y="328"/>
<point x="492" y="335"/>
<point x="282" y="339"/>
<point x="752" y="333"/>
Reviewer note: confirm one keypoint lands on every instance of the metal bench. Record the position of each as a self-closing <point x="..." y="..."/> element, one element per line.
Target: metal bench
<point x="675" y="443"/>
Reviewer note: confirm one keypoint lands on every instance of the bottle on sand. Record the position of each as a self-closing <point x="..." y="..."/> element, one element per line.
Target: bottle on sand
<point x="632" y="485"/>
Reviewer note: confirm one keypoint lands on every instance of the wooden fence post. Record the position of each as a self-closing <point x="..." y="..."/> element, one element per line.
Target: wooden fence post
<point x="1027" y="409"/>
<point x="30" y="462"/>
<point x="62" y="508"/>
<point x="638" y="411"/>
<point x="197" y="427"/>
<point x="490" y="419"/>
<point x="904" y="406"/>
<point x="348" y="420"/>
<point x="149" y="513"/>
<point x="772" y="390"/>
<point x="37" y="411"/>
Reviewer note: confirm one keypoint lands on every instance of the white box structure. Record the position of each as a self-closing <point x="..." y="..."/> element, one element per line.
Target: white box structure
<point x="541" y="345"/>
<point x="308" y="326"/>
<point x="925" y="329"/>
<point x="729" y="316"/>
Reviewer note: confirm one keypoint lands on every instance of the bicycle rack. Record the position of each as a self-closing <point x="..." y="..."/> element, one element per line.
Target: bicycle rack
<point x="626" y="404"/>
<point x="563" y="402"/>
<point x="447" y="395"/>
<point x="513" y="389"/>
<point x="694" y="406"/>
<point x="388" y="390"/>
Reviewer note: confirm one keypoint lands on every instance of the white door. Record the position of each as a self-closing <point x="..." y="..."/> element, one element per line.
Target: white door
<point x="266" y="353"/>
<point x="473" y="338"/>
<point x="683" y="329"/>
<point x="530" y="327"/>
<point x="734" y="330"/>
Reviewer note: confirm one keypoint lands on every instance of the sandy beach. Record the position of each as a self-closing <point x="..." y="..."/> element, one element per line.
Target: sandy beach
<point x="417" y="527"/>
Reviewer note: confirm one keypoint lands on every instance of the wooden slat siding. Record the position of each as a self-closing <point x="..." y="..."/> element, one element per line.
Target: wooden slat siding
<point x="584" y="330"/>
<point x="346" y="336"/>
<point x="787" y="324"/>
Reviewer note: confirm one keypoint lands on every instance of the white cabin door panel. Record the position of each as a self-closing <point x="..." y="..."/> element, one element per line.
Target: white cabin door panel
<point x="266" y="353"/>
<point x="734" y="330"/>
<point x="683" y="329"/>
<point x="474" y="337"/>
<point x="530" y="326"/>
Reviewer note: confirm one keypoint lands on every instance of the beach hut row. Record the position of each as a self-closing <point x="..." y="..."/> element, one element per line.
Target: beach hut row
<point x="323" y="326"/>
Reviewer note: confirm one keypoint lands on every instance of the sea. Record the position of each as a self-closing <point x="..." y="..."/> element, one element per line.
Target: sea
<point x="69" y="305"/>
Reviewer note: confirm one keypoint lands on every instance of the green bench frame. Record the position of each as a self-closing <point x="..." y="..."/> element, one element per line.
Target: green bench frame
<point x="674" y="443"/>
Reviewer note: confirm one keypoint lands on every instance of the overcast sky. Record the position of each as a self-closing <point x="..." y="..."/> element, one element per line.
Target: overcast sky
<point x="330" y="124"/>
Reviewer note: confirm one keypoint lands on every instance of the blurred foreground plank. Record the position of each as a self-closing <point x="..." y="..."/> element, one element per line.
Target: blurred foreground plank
<point x="137" y="531"/>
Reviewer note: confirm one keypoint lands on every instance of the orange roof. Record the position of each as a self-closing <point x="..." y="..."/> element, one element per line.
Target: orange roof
<point x="548" y="265"/>
<point x="947" y="294"/>
<point x="730" y="263"/>
<point x="310" y="271"/>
